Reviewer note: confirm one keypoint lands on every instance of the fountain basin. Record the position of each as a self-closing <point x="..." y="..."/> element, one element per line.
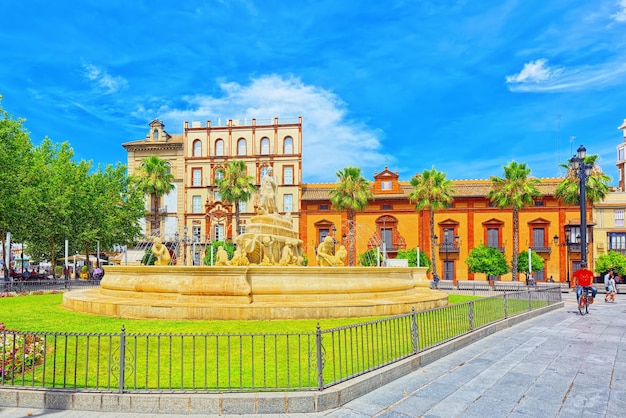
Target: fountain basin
<point x="255" y="292"/>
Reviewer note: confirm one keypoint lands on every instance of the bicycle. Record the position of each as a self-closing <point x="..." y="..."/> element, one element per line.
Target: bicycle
<point x="583" y="301"/>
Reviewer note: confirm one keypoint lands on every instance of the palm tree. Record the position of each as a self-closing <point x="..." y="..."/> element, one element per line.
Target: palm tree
<point x="431" y="190"/>
<point x="155" y="180"/>
<point x="568" y="191"/>
<point x="352" y="193"/>
<point x="516" y="190"/>
<point x="235" y="186"/>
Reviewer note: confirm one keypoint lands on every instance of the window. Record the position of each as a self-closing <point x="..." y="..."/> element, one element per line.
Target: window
<point x="155" y="135"/>
<point x="620" y="154"/>
<point x="323" y="207"/>
<point x="288" y="203"/>
<point x="385" y="207"/>
<point x="196" y="177"/>
<point x="288" y="175"/>
<point x="219" y="232"/>
<point x="617" y="241"/>
<point x="386" y="234"/>
<point x="219" y="173"/>
<point x="385" y="185"/>
<point x="216" y="196"/>
<point x="219" y="148"/>
<point x="539" y="237"/>
<point x="197" y="148"/>
<point x="196" y="233"/>
<point x="619" y="217"/>
<point x="493" y="239"/>
<point x="242" y="207"/>
<point x="265" y="146"/>
<point x="539" y="204"/>
<point x="241" y="147"/>
<point x="264" y="171"/>
<point x="323" y="233"/>
<point x="574" y="234"/>
<point x="288" y="145"/>
<point x="448" y="239"/>
<point x="168" y="168"/>
<point x="196" y="204"/>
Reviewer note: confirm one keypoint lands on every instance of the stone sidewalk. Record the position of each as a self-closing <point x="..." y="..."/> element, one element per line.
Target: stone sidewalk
<point x="556" y="365"/>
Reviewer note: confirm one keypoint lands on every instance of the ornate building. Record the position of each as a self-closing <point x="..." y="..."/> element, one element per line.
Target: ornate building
<point x="194" y="212"/>
<point x="390" y="222"/>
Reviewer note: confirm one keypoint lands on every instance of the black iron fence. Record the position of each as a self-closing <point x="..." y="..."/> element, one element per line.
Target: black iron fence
<point x="123" y="362"/>
<point x="47" y="285"/>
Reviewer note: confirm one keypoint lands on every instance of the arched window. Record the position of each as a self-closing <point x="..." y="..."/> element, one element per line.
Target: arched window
<point x="265" y="145"/>
<point x="241" y="147"/>
<point x="155" y="135"/>
<point x="288" y="145"/>
<point x="264" y="171"/>
<point x="197" y="148"/>
<point x="219" y="148"/>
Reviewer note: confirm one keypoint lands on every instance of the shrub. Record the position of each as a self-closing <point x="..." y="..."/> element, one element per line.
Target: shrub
<point x="18" y="351"/>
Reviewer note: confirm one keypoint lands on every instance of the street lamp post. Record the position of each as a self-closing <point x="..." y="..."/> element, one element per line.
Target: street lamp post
<point x="582" y="171"/>
<point x="334" y="238"/>
<point x="185" y="239"/>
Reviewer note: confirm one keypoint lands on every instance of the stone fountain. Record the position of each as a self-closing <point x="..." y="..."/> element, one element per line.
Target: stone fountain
<point x="264" y="280"/>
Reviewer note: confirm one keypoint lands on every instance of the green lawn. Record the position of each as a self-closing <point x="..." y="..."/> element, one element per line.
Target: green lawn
<point x="44" y="313"/>
<point x="83" y="350"/>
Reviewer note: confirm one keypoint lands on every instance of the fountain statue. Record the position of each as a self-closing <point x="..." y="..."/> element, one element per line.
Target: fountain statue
<point x="161" y="253"/>
<point x="255" y="284"/>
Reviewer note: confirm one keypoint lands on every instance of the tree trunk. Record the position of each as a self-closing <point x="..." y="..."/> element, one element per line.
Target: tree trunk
<point x="515" y="245"/>
<point x="433" y="254"/>
<point x="351" y="234"/>
<point x="54" y="259"/>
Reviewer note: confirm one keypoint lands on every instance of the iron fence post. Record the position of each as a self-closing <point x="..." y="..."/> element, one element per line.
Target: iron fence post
<point x="414" y="330"/>
<point x="506" y="308"/>
<point x="320" y="366"/>
<point x="122" y="356"/>
<point x="470" y="314"/>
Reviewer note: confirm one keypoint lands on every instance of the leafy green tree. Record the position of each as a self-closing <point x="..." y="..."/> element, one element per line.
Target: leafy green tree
<point x="612" y="260"/>
<point x="596" y="189"/>
<point x="536" y="262"/>
<point x="156" y="181"/>
<point x="235" y="186"/>
<point x="370" y="257"/>
<point x="15" y="160"/>
<point x="229" y="247"/>
<point x="411" y="256"/>
<point x="515" y="190"/>
<point x="352" y="193"/>
<point x="487" y="260"/>
<point x="431" y="190"/>
<point x="55" y="179"/>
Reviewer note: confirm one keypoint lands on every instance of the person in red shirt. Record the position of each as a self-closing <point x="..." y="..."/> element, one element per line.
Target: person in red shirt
<point x="584" y="278"/>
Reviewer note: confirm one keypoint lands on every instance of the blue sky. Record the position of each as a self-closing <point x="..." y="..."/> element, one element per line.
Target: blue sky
<point x="463" y="86"/>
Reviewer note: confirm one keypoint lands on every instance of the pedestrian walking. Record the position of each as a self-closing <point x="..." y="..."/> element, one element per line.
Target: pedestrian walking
<point x="612" y="290"/>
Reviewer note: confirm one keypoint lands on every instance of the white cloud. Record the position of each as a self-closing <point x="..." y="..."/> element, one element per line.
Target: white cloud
<point x="331" y="140"/>
<point x="534" y="72"/>
<point x="104" y="80"/>
<point x="620" y="15"/>
<point x="536" y="76"/>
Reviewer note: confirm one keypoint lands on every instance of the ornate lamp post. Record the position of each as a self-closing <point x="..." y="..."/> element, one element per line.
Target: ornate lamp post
<point x="583" y="171"/>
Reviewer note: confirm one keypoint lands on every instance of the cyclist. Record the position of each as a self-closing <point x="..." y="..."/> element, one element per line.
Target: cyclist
<point x="584" y="278"/>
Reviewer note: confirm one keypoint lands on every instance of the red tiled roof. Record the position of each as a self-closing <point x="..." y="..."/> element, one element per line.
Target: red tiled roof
<point x="462" y="188"/>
